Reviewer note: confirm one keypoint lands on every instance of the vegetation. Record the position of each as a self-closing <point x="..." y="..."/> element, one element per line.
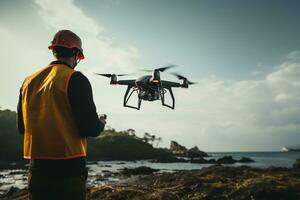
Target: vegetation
<point x="11" y="147"/>
<point x="110" y="145"/>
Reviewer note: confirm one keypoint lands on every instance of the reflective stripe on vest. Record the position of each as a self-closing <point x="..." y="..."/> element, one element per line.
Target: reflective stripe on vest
<point x="50" y="129"/>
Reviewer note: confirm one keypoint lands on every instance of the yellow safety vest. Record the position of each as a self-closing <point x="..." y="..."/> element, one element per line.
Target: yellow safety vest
<point x="50" y="128"/>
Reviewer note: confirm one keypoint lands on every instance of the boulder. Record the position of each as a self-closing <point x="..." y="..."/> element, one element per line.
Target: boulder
<point x="246" y="160"/>
<point x="170" y="159"/>
<point x="226" y="160"/>
<point x="143" y="170"/>
<point x="296" y="164"/>
<point x="195" y="152"/>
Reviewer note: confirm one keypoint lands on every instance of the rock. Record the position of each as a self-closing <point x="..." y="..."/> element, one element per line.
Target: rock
<point x="178" y="149"/>
<point x="169" y="159"/>
<point x="246" y="160"/>
<point x="226" y="160"/>
<point x="195" y="152"/>
<point x="138" y="171"/>
<point x="203" y="161"/>
<point x="12" y="190"/>
<point x="296" y="164"/>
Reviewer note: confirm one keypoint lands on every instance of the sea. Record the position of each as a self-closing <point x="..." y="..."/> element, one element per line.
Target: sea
<point x="101" y="172"/>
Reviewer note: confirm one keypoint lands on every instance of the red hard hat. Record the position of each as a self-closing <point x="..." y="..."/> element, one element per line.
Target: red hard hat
<point x="67" y="39"/>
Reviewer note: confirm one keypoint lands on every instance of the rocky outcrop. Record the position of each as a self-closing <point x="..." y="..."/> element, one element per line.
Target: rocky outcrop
<point x="180" y="150"/>
<point x="195" y="152"/>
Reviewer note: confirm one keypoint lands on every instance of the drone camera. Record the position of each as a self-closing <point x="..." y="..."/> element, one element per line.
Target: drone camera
<point x="113" y="80"/>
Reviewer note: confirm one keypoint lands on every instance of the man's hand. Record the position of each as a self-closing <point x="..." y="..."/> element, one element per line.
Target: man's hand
<point x="102" y="118"/>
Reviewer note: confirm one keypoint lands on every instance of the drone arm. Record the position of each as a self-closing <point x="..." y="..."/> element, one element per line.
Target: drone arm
<point x="169" y="84"/>
<point x="130" y="83"/>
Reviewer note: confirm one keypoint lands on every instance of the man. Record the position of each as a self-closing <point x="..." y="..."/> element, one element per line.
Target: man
<point x="56" y="113"/>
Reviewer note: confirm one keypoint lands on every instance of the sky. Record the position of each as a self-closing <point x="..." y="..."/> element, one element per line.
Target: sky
<point x="245" y="56"/>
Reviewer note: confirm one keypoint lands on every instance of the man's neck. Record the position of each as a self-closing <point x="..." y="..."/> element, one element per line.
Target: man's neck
<point x="66" y="61"/>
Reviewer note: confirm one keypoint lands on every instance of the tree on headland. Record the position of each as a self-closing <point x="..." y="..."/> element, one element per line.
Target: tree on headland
<point x="151" y="139"/>
<point x="131" y="132"/>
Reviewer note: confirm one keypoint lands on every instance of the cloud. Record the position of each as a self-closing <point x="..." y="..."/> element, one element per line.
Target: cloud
<point x="28" y="30"/>
<point x="257" y="72"/>
<point x="293" y="55"/>
<point x="220" y="115"/>
<point x="101" y="51"/>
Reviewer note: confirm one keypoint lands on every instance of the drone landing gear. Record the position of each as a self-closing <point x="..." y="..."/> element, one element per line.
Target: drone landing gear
<point x="162" y="94"/>
<point x="126" y="98"/>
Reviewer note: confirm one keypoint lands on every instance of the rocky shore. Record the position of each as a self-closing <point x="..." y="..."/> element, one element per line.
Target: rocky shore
<point x="212" y="183"/>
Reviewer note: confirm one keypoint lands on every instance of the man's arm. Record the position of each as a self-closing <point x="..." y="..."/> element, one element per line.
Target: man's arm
<point x="20" y="122"/>
<point x="83" y="107"/>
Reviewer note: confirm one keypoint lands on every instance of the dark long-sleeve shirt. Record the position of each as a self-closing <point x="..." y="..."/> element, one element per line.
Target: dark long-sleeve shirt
<point x="85" y="115"/>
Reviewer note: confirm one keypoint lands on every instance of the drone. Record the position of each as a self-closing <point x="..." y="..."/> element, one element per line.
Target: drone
<point x="149" y="87"/>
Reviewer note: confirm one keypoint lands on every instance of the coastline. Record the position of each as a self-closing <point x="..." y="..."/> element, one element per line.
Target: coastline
<point x="214" y="182"/>
<point x="156" y="180"/>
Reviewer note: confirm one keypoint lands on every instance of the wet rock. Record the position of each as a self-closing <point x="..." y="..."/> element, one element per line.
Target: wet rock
<point x="138" y="171"/>
<point x="226" y="160"/>
<point x="246" y="160"/>
<point x="11" y="191"/>
<point x="170" y="159"/>
<point x="296" y="164"/>
<point x="203" y="161"/>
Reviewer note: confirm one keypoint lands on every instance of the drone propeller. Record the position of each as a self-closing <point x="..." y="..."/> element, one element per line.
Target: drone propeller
<point x="111" y="75"/>
<point x="180" y="77"/>
<point x="161" y="69"/>
<point x="146" y="70"/>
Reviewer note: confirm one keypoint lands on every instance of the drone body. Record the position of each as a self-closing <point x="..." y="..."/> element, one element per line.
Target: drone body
<point x="149" y="88"/>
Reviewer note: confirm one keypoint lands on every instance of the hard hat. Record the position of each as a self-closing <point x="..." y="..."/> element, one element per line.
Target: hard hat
<point x="67" y="39"/>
